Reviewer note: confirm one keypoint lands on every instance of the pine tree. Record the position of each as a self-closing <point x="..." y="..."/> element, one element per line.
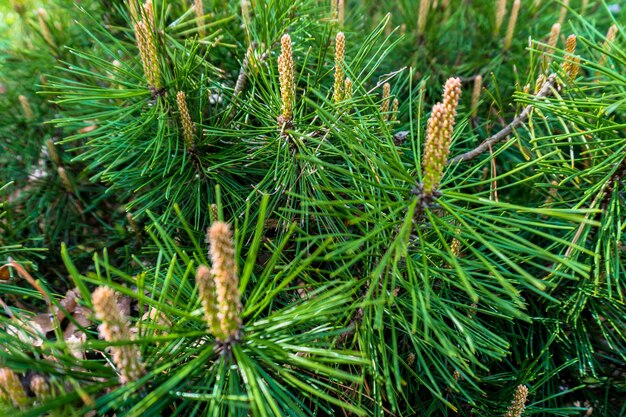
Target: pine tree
<point x="234" y="208"/>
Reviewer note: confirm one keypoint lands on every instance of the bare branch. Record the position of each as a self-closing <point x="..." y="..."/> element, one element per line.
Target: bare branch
<point x="546" y="90"/>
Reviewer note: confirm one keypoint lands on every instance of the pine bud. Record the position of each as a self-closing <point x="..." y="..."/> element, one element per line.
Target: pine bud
<point x="455" y="247"/>
<point x="338" y="87"/>
<point x="198" y="7"/>
<point x="563" y="11"/>
<point x="410" y="359"/>
<point x="214" y="212"/>
<point x="40" y="387"/>
<point x="65" y="180"/>
<point x="476" y="92"/>
<point x="286" y="78"/>
<point x="52" y="152"/>
<point x="340" y="12"/>
<point x="570" y="44"/>
<point x="43" y="26"/>
<point x="554" y="36"/>
<point x="245" y="14"/>
<point x="516" y="409"/>
<point x="571" y="65"/>
<point x="422" y="16"/>
<point x="512" y="22"/>
<point x="132" y="8"/>
<point x="114" y="328"/>
<point x="394" y="110"/>
<point x="147" y="13"/>
<point x="146" y="43"/>
<point x="451" y="95"/>
<point x="26" y="109"/>
<point x="574" y="68"/>
<point x="610" y="34"/>
<point x="185" y="119"/>
<point x="439" y="135"/>
<point x="224" y="272"/>
<point x="347" y="89"/>
<point x="384" y="106"/>
<point x="208" y="297"/>
<point x="11" y="390"/>
<point x="541" y="79"/>
<point x="500" y="12"/>
<point x="610" y="38"/>
<point x="133" y="224"/>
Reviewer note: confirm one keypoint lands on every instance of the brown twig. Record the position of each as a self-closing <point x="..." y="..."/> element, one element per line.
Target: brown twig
<point x="545" y="91"/>
<point x="24" y="274"/>
<point x="242" y="78"/>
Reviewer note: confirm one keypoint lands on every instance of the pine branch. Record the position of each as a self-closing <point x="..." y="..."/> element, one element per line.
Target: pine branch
<point x="546" y="90"/>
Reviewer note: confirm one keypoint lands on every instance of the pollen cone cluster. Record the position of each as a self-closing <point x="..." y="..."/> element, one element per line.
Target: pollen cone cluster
<point x="516" y="409"/>
<point x="146" y="43"/>
<point x="439" y="135"/>
<point x="26" y="109"/>
<point x="340" y="49"/>
<point x="510" y="30"/>
<point x="572" y="64"/>
<point x="185" y="119"/>
<point x="114" y="328"/>
<point x="610" y="38"/>
<point x="347" y="89"/>
<point x="198" y="8"/>
<point x="500" y="13"/>
<point x="219" y="286"/>
<point x="384" y="106"/>
<point x="286" y="78"/>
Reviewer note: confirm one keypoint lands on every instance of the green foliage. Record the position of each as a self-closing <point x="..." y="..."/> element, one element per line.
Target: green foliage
<point x="361" y="296"/>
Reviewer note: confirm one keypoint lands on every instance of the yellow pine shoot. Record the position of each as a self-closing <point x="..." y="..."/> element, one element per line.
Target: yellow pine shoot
<point x="384" y="106"/>
<point x="516" y="409"/>
<point x="208" y="297"/>
<point x="340" y="48"/>
<point x="500" y="13"/>
<point x="563" y="11"/>
<point x="198" y="8"/>
<point x="132" y="8"/>
<point x="286" y="78"/>
<point x="476" y="92"/>
<point x="185" y="119"/>
<point x="571" y="65"/>
<point x="347" y="89"/>
<point x="510" y="30"/>
<point x="554" y="36"/>
<point x="146" y="43"/>
<point x="340" y="12"/>
<point x="65" y="180"/>
<point x="147" y="13"/>
<point x="422" y="16"/>
<point x="26" y="109"/>
<point x="43" y="26"/>
<point x="114" y="328"/>
<point x="224" y="271"/>
<point x="610" y="38"/>
<point x="394" y="110"/>
<point x="439" y="136"/>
